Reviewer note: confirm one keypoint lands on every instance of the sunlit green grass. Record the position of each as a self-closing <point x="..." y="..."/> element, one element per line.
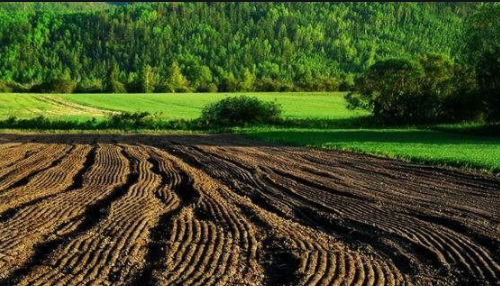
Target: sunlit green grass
<point x="189" y="105"/>
<point x="296" y="105"/>
<point x="427" y="146"/>
<point x="33" y="105"/>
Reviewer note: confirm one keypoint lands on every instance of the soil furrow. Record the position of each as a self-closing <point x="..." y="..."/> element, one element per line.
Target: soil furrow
<point x="223" y="210"/>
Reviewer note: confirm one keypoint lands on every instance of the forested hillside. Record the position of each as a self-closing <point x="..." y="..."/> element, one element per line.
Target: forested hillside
<point x="224" y="46"/>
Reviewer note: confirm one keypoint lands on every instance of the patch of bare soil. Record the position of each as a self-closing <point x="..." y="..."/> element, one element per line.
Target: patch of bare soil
<point x="223" y="210"/>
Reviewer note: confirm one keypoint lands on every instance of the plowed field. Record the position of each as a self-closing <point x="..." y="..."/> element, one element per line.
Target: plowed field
<point x="223" y="210"/>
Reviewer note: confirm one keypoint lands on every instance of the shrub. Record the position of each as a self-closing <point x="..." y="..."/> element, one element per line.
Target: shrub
<point x="55" y="86"/>
<point x="134" y="120"/>
<point x="240" y="111"/>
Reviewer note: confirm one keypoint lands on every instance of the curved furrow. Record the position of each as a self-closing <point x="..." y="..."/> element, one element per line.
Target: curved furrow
<point x="29" y="233"/>
<point x="448" y="247"/>
<point x="319" y="270"/>
<point x="455" y="247"/>
<point x="17" y="153"/>
<point x="43" y="159"/>
<point x="46" y="183"/>
<point x="367" y="213"/>
<point x="212" y="208"/>
<point x="115" y="248"/>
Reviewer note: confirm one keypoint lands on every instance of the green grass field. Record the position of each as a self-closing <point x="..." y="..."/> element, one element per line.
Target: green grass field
<point x="448" y="147"/>
<point x="172" y="106"/>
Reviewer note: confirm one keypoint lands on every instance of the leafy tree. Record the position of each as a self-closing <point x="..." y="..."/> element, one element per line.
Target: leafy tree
<point x="390" y="89"/>
<point x="428" y="90"/>
<point x="482" y="50"/>
<point x="248" y="81"/>
<point x="176" y="82"/>
<point x="146" y="80"/>
<point x="113" y="85"/>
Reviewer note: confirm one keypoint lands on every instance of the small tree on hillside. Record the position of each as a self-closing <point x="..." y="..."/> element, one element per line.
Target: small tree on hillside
<point x="248" y="81"/>
<point x="113" y="85"/>
<point x="147" y="79"/>
<point x="176" y="82"/>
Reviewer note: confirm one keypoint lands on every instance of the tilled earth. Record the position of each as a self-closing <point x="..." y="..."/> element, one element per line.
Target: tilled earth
<point x="223" y="210"/>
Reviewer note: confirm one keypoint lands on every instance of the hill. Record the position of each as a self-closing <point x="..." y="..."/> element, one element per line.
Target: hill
<point x="310" y="44"/>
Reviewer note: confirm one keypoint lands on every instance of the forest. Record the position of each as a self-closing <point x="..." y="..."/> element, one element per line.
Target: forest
<point x="176" y="47"/>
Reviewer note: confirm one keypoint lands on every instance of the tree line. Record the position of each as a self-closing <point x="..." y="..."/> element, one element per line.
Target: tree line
<point x="435" y="88"/>
<point x="178" y="47"/>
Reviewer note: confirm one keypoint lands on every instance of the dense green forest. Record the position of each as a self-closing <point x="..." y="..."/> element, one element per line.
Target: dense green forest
<point x="215" y="46"/>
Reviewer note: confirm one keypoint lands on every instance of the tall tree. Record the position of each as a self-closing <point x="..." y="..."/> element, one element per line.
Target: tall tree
<point x="482" y="50"/>
<point x="176" y="82"/>
<point x="147" y="79"/>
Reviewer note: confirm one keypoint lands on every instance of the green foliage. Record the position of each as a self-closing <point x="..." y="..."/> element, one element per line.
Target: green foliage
<point x="135" y="120"/>
<point x="175" y="82"/>
<point x="390" y="89"/>
<point x="113" y="85"/>
<point x="264" y="46"/>
<point x="229" y="83"/>
<point x="248" y="81"/>
<point x="239" y="111"/>
<point x="204" y="87"/>
<point x="428" y="90"/>
<point x="90" y="86"/>
<point x="146" y="80"/>
<point x="481" y="49"/>
<point x="55" y="86"/>
<point x="9" y="86"/>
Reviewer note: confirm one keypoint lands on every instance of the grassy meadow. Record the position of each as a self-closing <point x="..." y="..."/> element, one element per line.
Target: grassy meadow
<point x="298" y="105"/>
<point x="452" y="145"/>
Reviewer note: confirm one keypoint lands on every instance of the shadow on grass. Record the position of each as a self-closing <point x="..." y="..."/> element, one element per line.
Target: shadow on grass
<point x="346" y="136"/>
<point x="477" y="129"/>
<point x="419" y="146"/>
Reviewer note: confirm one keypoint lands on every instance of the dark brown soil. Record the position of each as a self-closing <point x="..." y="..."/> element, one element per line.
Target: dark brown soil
<point x="224" y="210"/>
